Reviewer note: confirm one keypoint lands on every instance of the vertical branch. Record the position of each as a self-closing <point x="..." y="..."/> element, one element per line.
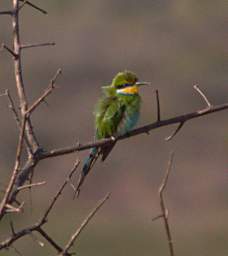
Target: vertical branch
<point x="19" y="78"/>
<point x="15" y="170"/>
<point x="164" y="210"/>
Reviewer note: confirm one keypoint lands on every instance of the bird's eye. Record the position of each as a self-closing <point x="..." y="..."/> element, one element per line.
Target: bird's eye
<point x="120" y="86"/>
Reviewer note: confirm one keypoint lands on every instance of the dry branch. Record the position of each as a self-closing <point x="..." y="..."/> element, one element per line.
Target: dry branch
<point x="164" y="210"/>
<point x="16" y="169"/>
<point x="27" y="46"/>
<point x="29" y="133"/>
<point x="141" y="130"/>
<point x="34" y="6"/>
<point x="83" y="225"/>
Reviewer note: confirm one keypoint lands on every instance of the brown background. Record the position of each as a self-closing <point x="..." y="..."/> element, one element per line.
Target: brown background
<point x="173" y="44"/>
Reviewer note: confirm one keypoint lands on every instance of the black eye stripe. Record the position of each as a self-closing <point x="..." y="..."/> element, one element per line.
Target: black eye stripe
<point x="123" y="85"/>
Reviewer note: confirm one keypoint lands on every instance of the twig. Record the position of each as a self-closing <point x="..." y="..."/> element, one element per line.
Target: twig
<point x="17" y="235"/>
<point x="202" y="95"/>
<point x="7" y="48"/>
<point x="6" y="12"/>
<point x="158" y="106"/>
<point x="164" y="210"/>
<point x="19" y="78"/>
<point x="27" y="46"/>
<point x="24" y="2"/>
<point x="34" y="6"/>
<point x="175" y="132"/>
<point x="76" y="164"/>
<point x="49" y="239"/>
<point x="140" y="130"/>
<point x="16" y="116"/>
<point x="48" y="91"/>
<point x="15" y="170"/>
<point x="31" y="185"/>
<point x="83" y="225"/>
<point x="37" y="227"/>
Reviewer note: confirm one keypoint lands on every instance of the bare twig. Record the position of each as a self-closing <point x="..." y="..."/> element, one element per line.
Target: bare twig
<point x="164" y="210"/>
<point x="27" y="46"/>
<point x="15" y="170"/>
<point x="49" y="239"/>
<point x="29" y="133"/>
<point x="7" y="48"/>
<point x="31" y="185"/>
<point x="12" y="107"/>
<point x="6" y="12"/>
<point x="175" y="132"/>
<point x="137" y="131"/>
<point x="158" y="106"/>
<point x="48" y="91"/>
<point x="34" y="6"/>
<point x="76" y="164"/>
<point x="202" y="95"/>
<point x="83" y="225"/>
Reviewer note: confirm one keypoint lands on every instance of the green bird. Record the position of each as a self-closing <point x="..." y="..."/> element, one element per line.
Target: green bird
<point x="117" y="112"/>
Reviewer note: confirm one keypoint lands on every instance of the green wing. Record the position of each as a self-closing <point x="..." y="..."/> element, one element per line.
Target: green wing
<point x="109" y="113"/>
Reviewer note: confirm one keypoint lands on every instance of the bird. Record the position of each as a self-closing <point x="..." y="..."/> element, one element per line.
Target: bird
<point x="116" y="113"/>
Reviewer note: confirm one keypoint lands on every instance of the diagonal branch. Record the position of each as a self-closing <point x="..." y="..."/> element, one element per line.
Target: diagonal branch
<point x="48" y="91"/>
<point x="44" y="218"/>
<point x="175" y="132"/>
<point x="8" y="49"/>
<point x="202" y="95"/>
<point x="15" y="170"/>
<point x="83" y="225"/>
<point x="34" y="6"/>
<point x="141" y="130"/>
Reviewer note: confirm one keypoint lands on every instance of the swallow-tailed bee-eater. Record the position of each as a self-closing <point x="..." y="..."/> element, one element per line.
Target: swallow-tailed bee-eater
<point x="117" y="112"/>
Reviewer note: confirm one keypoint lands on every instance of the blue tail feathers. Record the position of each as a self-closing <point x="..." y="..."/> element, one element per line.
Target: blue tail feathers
<point x="88" y="162"/>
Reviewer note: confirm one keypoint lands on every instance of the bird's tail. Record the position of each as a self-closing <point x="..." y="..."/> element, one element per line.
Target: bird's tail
<point x="88" y="163"/>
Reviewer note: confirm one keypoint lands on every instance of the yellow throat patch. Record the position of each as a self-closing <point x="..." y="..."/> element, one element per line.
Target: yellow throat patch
<point x="130" y="90"/>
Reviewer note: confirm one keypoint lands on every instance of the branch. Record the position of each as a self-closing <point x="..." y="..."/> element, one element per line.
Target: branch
<point x="37" y="227"/>
<point x="141" y="130"/>
<point x="19" y="78"/>
<point x="15" y="170"/>
<point x="175" y="132"/>
<point x="6" y="12"/>
<point x="44" y="218"/>
<point x="31" y="185"/>
<point x="16" y="116"/>
<point x="202" y="95"/>
<point x="8" y="49"/>
<point x="158" y="106"/>
<point x="27" y="46"/>
<point x="34" y="6"/>
<point x="48" y="91"/>
<point x="164" y="215"/>
<point x="83" y="225"/>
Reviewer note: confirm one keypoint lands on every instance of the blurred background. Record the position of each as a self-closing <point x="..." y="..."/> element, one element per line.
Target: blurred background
<point x="174" y="44"/>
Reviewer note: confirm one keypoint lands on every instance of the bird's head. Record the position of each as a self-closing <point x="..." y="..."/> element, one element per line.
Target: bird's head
<point x="127" y="83"/>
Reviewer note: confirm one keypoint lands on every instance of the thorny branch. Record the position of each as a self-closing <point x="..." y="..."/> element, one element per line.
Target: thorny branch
<point x="141" y="130"/>
<point x="83" y="225"/>
<point x="164" y="210"/>
<point x="37" y="227"/>
<point x="36" y="153"/>
<point x="27" y="46"/>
